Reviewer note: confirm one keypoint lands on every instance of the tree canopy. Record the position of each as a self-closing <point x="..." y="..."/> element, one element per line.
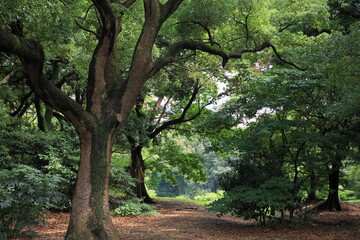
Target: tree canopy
<point x="289" y="69"/>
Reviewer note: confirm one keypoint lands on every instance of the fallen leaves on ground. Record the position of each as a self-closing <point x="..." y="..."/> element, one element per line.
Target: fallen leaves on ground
<point x="180" y="220"/>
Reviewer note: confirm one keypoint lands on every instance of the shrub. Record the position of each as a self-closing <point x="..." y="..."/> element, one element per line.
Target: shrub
<point x="25" y="193"/>
<point x="256" y="203"/>
<point x="133" y="207"/>
<point x="121" y="183"/>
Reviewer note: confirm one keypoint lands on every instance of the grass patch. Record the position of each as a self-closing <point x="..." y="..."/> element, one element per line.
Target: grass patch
<point x="182" y="200"/>
<point x="353" y="201"/>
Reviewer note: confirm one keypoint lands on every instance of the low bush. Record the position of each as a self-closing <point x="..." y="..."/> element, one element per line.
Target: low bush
<point x="132" y="206"/>
<point x="25" y="193"/>
<point x="256" y="203"/>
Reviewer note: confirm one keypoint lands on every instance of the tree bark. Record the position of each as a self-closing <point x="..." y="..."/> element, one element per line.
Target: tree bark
<point x="90" y="216"/>
<point x="332" y="202"/>
<point x="137" y="171"/>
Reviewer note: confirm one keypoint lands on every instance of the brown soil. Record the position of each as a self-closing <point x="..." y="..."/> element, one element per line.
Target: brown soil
<point x="187" y="221"/>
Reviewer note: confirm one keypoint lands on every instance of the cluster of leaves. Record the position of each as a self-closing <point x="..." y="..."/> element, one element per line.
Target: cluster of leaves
<point x="25" y="193"/>
<point x="121" y="183"/>
<point x="55" y="153"/>
<point x="274" y="194"/>
<point x="170" y="159"/>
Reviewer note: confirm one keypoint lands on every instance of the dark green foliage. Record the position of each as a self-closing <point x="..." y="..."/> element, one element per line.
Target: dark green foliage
<point x="249" y="202"/>
<point x="121" y="183"/>
<point x="55" y="153"/>
<point x="63" y="155"/>
<point x="25" y="193"/>
<point x="23" y="147"/>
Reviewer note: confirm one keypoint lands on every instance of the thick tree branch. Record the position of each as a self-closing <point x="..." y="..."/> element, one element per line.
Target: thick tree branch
<point x="32" y="57"/>
<point x="106" y="12"/>
<point x="24" y="48"/>
<point x="155" y="15"/>
<point x="168" y="56"/>
<point x="128" y="3"/>
<point x="239" y="53"/>
<point x="169" y="8"/>
<point x="100" y="79"/>
<point x="142" y="57"/>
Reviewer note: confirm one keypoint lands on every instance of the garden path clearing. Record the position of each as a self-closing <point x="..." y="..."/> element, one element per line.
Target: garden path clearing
<point x="179" y="220"/>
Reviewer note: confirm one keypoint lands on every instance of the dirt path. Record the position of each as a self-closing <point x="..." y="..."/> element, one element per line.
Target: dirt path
<point x="187" y="221"/>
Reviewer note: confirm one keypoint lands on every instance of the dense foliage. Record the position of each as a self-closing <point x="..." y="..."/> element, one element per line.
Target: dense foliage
<point x="256" y="98"/>
<point x="25" y="194"/>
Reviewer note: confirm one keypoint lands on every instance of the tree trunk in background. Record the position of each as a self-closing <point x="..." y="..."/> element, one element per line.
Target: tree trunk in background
<point x="332" y="202"/>
<point x="137" y="171"/>
<point x="90" y="216"/>
<point x="313" y="185"/>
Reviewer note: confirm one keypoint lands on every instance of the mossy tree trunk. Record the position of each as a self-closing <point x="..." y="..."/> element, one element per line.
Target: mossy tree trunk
<point x="90" y="216"/>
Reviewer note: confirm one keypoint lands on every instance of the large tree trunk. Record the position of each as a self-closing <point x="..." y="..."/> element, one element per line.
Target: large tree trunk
<point x="90" y="216"/>
<point x="332" y="202"/>
<point x="137" y="171"/>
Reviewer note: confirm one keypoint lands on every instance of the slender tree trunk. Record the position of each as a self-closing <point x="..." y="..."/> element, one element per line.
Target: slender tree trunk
<point x="39" y="114"/>
<point x="138" y="172"/>
<point x="215" y="185"/>
<point x="332" y="202"/>
<point x="90" y="216"/>
<point x="313" y="185"/>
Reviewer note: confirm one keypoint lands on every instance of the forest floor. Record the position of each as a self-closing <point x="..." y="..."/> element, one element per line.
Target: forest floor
<point x="179" y="220"/>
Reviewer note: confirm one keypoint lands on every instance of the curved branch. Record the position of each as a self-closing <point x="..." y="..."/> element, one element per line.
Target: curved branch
<point x="168" y="56"/>
<point x="283" y="60"/>
<point x="24" y="105"/>
<point x="262" y="47"/>
<point x="180" y="119"/>
<point x="239" y="53"/>
<point x="31" y="55"/>
<point x="87" y="30"/>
